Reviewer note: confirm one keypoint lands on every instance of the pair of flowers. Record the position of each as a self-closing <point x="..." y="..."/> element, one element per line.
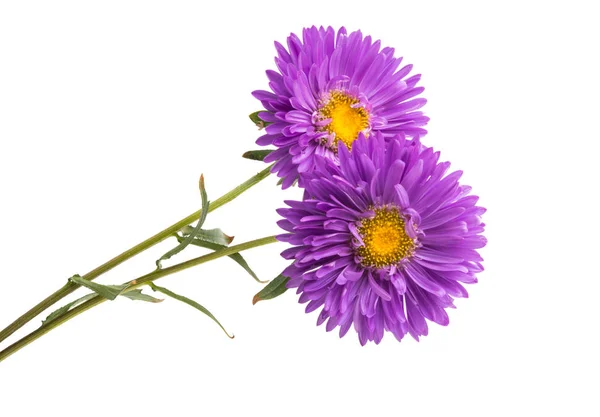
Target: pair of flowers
<point x="383" y="239"/>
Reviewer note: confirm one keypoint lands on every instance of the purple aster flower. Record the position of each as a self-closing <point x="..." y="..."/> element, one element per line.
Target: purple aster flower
<point x="384" y="240"/>
<point x="331" y="87"/>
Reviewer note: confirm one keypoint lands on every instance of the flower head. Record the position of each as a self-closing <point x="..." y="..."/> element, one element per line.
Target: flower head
<point x="330" y="88"/>
<point x="384" y="239"/>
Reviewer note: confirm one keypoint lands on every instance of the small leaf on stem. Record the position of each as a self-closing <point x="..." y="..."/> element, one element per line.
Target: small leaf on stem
<point x="237" y="257"/>
<point x="260" y="123"/>
<point x="189" y="302"/>
<point x="258" y="155"/>
<point x="194" y="232"/>
<point x="59" y="312"/>
<point x="273" y="289"/>
<point x="212" y="235"/>
<point x="110" y="292"/>
<point x="137" y="295"/>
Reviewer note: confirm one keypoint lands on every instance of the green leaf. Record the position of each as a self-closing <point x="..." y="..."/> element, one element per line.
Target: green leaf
<point x="64" y="309"/>
<point x="273" y="289"/>
<point x="237" y="257"/>
<point x="194" y="232"/>
<point x="190" y="303"/>
<point x="257" y="120"/>
<point x="258" y="155"/>
<point x="110" y="292"/>
<point x="137" y="295"/>
<point x="212" y="235"/>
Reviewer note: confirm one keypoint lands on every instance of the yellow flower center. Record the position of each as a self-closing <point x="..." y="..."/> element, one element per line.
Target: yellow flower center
<point x="385" y="240"/>
<point x="346" y="121"/>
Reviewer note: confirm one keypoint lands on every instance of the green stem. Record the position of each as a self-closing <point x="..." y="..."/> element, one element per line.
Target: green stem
<point x="148" y="243"/>
<point x="144" y="280"/>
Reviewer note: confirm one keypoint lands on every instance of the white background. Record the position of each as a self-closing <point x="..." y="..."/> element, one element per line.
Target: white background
<point x="109" y="112"/>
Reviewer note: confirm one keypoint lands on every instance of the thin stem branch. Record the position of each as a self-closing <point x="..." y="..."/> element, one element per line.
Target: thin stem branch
<point x="148" y="243"/>
<point x="139" y="282"/>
